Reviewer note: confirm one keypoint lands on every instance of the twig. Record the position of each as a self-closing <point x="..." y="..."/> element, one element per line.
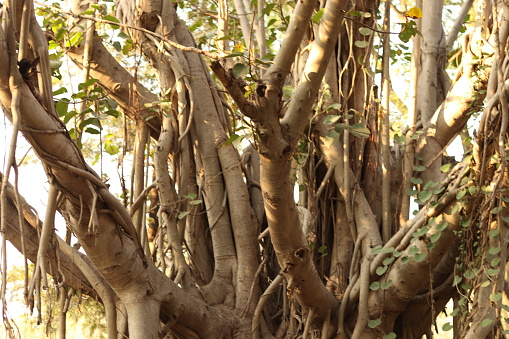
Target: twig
<point x="253" y="285"/>
<point x="210" y="55"/>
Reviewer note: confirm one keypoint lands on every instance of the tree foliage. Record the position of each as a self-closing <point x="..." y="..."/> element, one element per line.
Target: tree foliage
<point x="226" y="110"/>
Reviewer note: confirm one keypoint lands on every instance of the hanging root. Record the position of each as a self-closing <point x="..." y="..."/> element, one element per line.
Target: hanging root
<point x="263" y="299"/>
<point x="309" y="322"/>
<point x="93" y="221"/>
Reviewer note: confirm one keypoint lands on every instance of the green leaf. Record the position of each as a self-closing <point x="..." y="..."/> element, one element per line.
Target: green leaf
<point x="391" y="335"/>
<point x="87" y="83"/>
<point x="442" y="226"/>
<point x="331" y="119"/>
<point x="90" y="121"/>
<point x="234" y="54"/>
<point x="240" y="70"/>
<point x="365" y="31"/>
<point x="388" y="261"/>
<point x="386" y="284"/>
<point x="61" y="107"/>
<point x="379" y="249"/>
<point x="331" y="138"/>
<point x="55" y="64"/>
<point x="69" y="115"/>
<point x="495" y="262"/>
<point x="359" y="130"/>
<point x="495" y="297"/>
<point x="268" y="8"/>
<point x="494" y="250"/>
<point x="486" y="322"/>
<point x="59" y="91"/>
<point x="59" y="33"/>
<point x="496" y="209"/>
<point x="113" y="112"/>
<point x="408" y="30"/>
<point x="195" y="202"/>
<point x="381" y="270"/>
<point x="430" y="246"/>
<point x="424" y="195"/>
<point x="288" y="91"/>
<point x="447" y="327"/>
<point x="457" y="280"/>
<point x="111" y="18"/>
<point x="317" y="16"/>
<point x="461" y="194"/>
<point x="190" y="196"/>
<point x="439" y="190"/>
<point x="231" y="139"/>
<point x="182" y="215"/>
<point x="413" y="251"/>
<point x="493" y="233"/>
<point x="416" y="181"/>
<point x="420" y="257"/>
<point x="434" y="237"/>
<point x="493" y="271"/>
<point x="430" y="184"/>
<point x="419" y="168"/>
<point x="469" y="274"/>
<point x="445" y="168"/>
<point x="92" y="130"/>
<point x="123" y="35"/>
<point x="75" y="39"/>
<point x="375" y="285"/>
<point x="117" y="46"/>
<point x="374" y="323"/>
<point x="322" y="249"/>
<point x="53" y="44"/>
<point x="335" y="106"/>
<point x="411" y="192"/>
<point x="340" y="127"/>
<point x="386" y="250"/>
<point x="361" y="43"/>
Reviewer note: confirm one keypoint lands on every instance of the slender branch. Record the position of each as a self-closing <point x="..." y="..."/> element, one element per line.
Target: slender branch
<point x="385" y="139"/>
<point x="292" y="39"/>
<point x="297" y="116"/>
<point x="141" y="198"/>
<point x="460" y="20"/>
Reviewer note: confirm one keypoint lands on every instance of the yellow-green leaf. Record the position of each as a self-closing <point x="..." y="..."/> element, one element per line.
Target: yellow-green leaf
<point x="414" y="13"/>
<point x="359" y="130"/>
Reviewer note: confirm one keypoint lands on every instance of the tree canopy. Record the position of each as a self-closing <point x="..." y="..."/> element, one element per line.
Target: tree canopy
<point x="283" y="166"/>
